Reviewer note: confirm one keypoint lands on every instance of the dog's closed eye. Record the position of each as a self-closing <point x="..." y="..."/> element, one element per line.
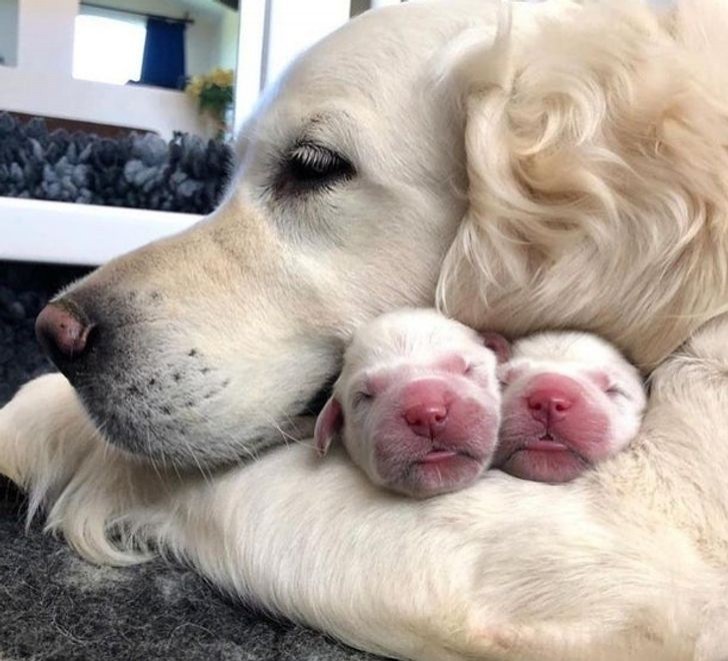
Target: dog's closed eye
<point x="310" y="167"/>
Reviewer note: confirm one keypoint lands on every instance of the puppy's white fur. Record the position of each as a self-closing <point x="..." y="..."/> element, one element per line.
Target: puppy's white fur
<point x="598" y="174"/>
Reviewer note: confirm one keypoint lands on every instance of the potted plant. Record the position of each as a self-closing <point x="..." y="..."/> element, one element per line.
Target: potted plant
<point x="214" y="94"/>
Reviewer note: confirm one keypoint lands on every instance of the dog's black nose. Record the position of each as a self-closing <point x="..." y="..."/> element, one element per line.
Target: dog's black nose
<point x="63" y="336"/>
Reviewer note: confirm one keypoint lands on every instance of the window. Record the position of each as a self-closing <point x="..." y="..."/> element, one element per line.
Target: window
<point x="108" y="47"/>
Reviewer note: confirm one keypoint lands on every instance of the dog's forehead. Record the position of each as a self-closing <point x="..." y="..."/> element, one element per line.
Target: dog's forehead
<point x="376" y="69"/>
<point x="373" y="45"/>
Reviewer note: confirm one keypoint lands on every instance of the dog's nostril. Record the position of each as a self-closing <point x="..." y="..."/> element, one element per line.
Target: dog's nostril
<point x="61" y="333"/>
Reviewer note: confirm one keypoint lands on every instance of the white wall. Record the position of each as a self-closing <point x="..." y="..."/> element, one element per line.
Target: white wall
<point x="42" y="83"/>
<point x="45" y="35"/>
<point x="270" y="37"/>
<point x="228" y="41"/>
<point x="294" y="26"/>
<point x="148" y="108"/>
<point x="8" y="31"/>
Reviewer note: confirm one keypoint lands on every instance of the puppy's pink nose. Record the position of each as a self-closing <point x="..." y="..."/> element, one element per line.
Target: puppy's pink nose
<point x="426" y="419"/>
<point x="60" y="333"/>
<point x="426" y="406"/>
<point x="551" y="397"/>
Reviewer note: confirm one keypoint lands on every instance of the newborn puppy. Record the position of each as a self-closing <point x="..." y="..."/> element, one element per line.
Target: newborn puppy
<point x="418" y="403"/>
<point x="570" y="400"/>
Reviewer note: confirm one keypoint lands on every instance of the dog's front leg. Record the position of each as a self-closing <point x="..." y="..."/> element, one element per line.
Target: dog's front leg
<point x="50" y="448"/>
<point x="242" y="529"/>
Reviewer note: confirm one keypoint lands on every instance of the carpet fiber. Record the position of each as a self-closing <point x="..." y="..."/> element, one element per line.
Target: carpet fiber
<point x="55" y="606"/>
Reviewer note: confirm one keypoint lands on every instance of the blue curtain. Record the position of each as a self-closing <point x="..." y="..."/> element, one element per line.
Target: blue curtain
<point x="164" y="54"/>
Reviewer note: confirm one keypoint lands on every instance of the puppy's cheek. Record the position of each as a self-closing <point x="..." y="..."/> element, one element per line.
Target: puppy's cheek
<point x="389" y="462"/>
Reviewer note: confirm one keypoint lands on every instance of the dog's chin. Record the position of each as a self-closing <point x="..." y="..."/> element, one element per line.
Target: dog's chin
<point x="195" y="436"/>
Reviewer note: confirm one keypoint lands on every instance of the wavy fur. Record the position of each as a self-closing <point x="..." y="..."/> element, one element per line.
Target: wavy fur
<point x="599" y="183"/>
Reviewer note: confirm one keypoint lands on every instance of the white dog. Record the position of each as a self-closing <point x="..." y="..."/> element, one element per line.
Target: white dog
<point x="565" y="169"/>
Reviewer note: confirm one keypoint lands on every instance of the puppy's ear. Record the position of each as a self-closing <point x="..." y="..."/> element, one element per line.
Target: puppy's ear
<point x="328" y="425"/>
<point x="498" y="345"/>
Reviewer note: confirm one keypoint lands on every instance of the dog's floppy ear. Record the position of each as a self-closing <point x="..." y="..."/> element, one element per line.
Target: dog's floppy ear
<point x="596" y="171"/>
<point x="478" y="59"/>
<point x="328" y="425"/>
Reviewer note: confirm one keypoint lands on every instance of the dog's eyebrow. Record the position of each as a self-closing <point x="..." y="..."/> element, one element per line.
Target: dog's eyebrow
<point x="330" y="127"/>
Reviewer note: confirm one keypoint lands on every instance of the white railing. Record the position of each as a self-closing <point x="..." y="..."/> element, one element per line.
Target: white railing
<point x="66" y="233"/>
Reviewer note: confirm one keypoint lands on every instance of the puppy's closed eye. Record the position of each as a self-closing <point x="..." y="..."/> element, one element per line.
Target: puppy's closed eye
<point x="362" y="397"/>
<point x="616" y="390"/>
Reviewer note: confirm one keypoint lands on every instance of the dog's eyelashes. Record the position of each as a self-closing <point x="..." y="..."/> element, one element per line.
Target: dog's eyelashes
<point x="311" y="161"/>
<point x="310" y="166"/>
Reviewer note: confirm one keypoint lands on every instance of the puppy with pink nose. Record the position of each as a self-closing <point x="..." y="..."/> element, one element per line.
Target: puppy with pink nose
<point x="417" y="404"/>
<point x="570" y="401"/>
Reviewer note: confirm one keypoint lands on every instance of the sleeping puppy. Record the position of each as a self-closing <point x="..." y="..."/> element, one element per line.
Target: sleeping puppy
<point x="418" y="403"/>
<point x="421" y="397"/>
<point x="570" y="400"/>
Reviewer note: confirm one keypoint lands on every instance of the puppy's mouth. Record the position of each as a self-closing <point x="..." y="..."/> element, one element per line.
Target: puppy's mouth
<point x="438" y="456"/>
<point x="545" y="457"/>
<point x="442" y="454"/>
<point x="546" y="443"/>
<point x="441" y="471"/>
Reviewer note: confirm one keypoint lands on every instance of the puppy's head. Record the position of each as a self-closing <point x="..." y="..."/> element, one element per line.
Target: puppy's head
<point x="570" y="400"/>
<point x="417" y="403"/>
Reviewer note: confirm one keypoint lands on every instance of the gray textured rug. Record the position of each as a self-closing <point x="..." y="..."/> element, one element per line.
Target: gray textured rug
<point x="55" y="606"/>
<point x="139" y="171"/>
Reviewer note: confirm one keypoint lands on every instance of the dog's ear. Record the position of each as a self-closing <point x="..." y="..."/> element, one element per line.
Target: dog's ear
<point x="585" y="205"/>
<point x="328" y="425"/>
<point x="499" y="345"/>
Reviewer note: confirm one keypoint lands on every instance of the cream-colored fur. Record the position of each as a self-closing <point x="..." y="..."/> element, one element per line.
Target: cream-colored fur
<point x="595" y="144"/>
<point x="598" y="167"/>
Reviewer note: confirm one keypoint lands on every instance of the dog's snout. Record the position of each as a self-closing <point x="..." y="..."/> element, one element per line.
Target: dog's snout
<point x="61" y="332"/>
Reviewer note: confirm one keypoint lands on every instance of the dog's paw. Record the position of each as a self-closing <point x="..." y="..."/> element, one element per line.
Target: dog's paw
<point x="42" y="429"/>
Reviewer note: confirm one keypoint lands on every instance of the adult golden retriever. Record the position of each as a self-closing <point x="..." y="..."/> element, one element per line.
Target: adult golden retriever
<point x="535" y="166"/>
